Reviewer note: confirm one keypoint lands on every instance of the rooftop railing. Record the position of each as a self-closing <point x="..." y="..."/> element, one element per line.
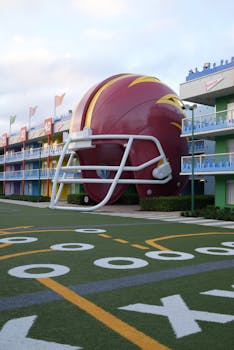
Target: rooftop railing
<point x="210" y="69"/>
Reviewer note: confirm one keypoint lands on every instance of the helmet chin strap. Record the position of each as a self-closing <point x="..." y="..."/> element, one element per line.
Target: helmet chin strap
<point x="83" y="139"/>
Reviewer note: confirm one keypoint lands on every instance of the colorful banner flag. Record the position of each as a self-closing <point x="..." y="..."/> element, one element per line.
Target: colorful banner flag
<point x="12" y="119"/>
<point x="32" y="111"/>
<point x="23" y="133"/>
<point x="58" y="100"/>
<point x="48" y="126"/>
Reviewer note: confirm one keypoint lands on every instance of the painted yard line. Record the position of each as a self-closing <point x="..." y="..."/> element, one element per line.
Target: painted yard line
<point x="104" y="235"/>
<point x="25" y="300"/>
<point x="3" y="245"/>
<point x="7" y="233"/>
<point x="16" y="227"/>
<point x="158" y="246"/>
<point x="130" y="333"/>
<point x="120" y="240"/>
<point x="229" y="226"/>
<point x="139" y="246"/>
<point x="36" y="231"/>
<point x="9" y="256"/>
<point x="155" y="245"/>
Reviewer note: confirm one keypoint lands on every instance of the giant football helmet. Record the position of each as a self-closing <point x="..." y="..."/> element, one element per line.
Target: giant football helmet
<point x="125" y="130"/>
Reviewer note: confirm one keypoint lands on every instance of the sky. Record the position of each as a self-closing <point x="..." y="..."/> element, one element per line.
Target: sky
<point x="51" y="47"/>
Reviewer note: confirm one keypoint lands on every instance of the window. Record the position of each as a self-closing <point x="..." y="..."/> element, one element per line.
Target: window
<point x="30" y="188"/>
<point x="230" y="192"/>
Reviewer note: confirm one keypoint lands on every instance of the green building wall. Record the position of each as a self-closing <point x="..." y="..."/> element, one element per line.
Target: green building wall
<point x="221" y="147"/>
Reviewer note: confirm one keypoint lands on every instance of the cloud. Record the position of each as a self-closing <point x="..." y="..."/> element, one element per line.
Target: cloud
<point x="101" y="8"/>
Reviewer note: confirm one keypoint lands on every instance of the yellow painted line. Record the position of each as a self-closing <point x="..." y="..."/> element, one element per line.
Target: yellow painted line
<point x="159" y="246"/>
<point x="139" y="246"/>
<point x="3" y="245"/>
<point x="36" y="231"/>
<point x="9" y="256"/>
<point x="104" y="235"/>
<point x="7" y="233"/>
<point x="122" y="328"/>
<point x="14" y="228"/>
<point x="120" y="240"/>
<point x="155" y="245"/>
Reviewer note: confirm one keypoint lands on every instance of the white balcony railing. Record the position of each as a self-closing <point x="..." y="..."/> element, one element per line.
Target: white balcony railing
<point x="219" y="163"/>
<point x="34" y="174"/>
<point x="209" y="123"/>
<point x="33" y="153"/>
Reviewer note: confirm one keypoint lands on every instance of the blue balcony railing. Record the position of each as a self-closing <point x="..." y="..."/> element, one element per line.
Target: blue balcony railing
<point x="208" y="163"/>
<point x="208" y="123"/>
<point x="33" y="153"/>
<point x="34" y="174"/>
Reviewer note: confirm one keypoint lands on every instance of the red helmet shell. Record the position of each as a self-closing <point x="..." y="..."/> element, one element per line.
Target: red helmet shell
<point x="136" y="105"/>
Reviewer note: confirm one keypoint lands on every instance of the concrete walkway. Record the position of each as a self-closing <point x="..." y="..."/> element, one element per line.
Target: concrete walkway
<point x="122" y="210"/>
<point x="134" y="211"/>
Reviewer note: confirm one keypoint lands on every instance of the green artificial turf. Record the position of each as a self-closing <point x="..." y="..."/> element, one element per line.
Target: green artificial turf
<point x="61" y="321"/>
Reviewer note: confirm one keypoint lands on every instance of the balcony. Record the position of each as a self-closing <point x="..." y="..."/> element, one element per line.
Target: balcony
<point x="212" y="124"/>
<point x="33" y="153"/>
<point x="208" y="164"/>
<point x="201" y="146"/>
<point x="34" y="174"/>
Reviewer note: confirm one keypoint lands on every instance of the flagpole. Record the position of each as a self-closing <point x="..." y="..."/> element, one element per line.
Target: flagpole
<point x="29" y="120"/>
<point x="54" y="107"/>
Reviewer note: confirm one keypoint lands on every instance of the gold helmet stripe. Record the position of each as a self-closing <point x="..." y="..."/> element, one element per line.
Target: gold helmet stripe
<point x="144" y="79"/>
<point x="92" y="104"/>
<point x="176" y="125"/>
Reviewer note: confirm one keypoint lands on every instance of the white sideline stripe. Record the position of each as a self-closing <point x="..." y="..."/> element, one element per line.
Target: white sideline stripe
<point x="184" y="220"/>
<point x="201" y="221"/>
<point x="217" y="223"/>
<point x="188" y="220"/>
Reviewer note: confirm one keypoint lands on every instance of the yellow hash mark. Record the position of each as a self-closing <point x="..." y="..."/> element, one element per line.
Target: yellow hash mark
<point x="36" y="231"/>
<point x="3" y="245"/>
<point x="139" y="246"/>
<point x="120" y="240"/>
<point x="9" y="256"/>
<point x="155" y="245"/>
<point x="130" y="333"/>
<point x="104" y="235"/>
<point x="7" y="233"/>
<point x="14" y="228"/>
<point x="158" y="246"/>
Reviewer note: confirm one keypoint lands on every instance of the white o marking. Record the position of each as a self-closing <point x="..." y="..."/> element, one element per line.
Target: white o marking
<point x="169" y="255"/>
<point x="18" y="240"/>
<point x="215" y="251"/>
<point x="90" y="230"/>
<point x="72" y="246"/>
<point x="57" y="270"/>
<point x="228" y="244"/>
<point x="135" y="263"/>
